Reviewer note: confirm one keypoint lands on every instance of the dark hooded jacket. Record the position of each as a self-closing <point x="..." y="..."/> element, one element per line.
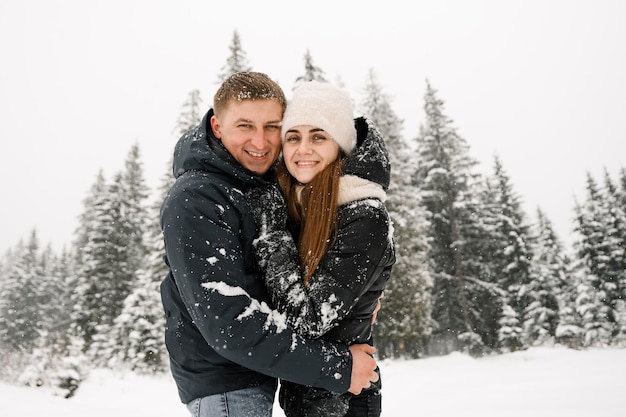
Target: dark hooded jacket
<point x="338" y="302"/>
<point x="220" y="333"/>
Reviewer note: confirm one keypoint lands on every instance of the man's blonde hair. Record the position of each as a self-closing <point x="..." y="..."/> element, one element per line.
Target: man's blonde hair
<point x="242" y="86"/>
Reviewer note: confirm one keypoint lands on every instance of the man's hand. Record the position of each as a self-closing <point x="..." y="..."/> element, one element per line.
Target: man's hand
<point x="363" y="367"/>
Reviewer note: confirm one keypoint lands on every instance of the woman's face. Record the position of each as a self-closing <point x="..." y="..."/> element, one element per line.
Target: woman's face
<point x="308" y="150"/>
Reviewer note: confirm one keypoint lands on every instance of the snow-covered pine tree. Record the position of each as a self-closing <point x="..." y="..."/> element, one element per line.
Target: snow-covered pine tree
<point x="87" y="218"/>
<point x="445" y="179"/>
<point x="597" y="288"/>
<point x="510" y="329"/>
<point x="105" y="278"/>
<point x="191" y="113"/>
<point x="124" y="243"/>
<point x="137" y="335"/>
<point x="134" y="194"/>
<point x="4" y="267"/>
<point x="12" y="361"/>
<point x="47" y="358"/>
<point x="593" y="311"/>
<point x="548" y="288"/>
<point x="622" y="188"/>
<point x="56" y="292"/>
<point x="486" y="298"/>
<point x="236" y="62"/>
<point x="621" y="246"/>
<point x="513" y="257"/>
<point x="569" y="331"/>
<point x="403" y="324"/>
<point x="311" y="72"/>
<point x="616" y="263"/>
<point x="21" y="315"/>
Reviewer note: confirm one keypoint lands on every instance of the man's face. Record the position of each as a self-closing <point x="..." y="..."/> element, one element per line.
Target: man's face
<point x="250" y="131"/>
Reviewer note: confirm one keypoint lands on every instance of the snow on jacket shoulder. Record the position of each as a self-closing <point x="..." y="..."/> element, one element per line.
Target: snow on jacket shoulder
<point x="220" y="333"/>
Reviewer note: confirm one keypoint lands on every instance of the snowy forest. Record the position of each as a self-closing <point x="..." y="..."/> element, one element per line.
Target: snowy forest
<point x="474" y="273"/>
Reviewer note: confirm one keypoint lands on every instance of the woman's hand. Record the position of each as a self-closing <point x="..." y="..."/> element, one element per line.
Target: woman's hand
<point x="268" y="208"/>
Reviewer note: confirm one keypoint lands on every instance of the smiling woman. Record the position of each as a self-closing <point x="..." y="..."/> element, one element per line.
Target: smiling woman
<point x="307" y="151"/>
<point x="326" y="249"/>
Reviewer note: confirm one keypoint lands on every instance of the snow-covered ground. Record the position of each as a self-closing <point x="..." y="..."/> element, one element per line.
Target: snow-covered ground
<point x="550" y="382"/>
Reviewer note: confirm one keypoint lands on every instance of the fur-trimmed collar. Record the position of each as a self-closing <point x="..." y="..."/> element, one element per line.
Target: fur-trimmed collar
<point x="353" y="188"/>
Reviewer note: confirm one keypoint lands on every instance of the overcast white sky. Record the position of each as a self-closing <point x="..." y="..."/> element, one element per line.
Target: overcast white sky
<point x="540" y="83"/>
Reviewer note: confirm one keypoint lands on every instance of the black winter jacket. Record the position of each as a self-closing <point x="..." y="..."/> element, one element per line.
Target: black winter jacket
<point x="338" y="302"/>
<point x="220" y="333"/>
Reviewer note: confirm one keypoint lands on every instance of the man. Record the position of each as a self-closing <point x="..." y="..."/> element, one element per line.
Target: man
<point x="226" y="346"/>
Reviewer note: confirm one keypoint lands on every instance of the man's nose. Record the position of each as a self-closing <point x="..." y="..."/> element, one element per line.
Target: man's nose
<point x="258" y="138"/>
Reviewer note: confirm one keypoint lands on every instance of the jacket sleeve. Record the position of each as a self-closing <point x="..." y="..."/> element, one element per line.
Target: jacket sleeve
<point x="202" y="225"/>
<point x="345" y="273"/>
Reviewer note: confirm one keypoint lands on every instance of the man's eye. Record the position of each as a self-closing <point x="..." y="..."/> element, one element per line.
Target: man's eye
<point x="272" y="127"/>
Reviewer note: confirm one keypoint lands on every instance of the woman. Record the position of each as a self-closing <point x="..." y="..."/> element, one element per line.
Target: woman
<point x="333" y="174"/>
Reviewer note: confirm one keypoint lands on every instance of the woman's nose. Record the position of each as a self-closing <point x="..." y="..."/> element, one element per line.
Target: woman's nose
<point x="304" y="147"/>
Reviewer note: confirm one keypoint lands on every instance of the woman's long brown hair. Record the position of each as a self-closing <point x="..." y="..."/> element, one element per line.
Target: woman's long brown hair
<point x="315" y="213"/>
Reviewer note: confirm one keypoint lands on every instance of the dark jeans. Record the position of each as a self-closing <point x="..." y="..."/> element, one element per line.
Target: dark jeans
<point x="369" y="402"/>
<point x="366" y="404"/>
<point x="302" y="401"/>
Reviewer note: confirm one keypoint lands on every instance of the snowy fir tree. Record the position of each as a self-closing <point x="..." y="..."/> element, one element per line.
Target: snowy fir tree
<point x="57" y="296"/>
<point x="403" y="324"/>
<point x="513" y="257"/>
<point x="87" y="217"/>
<point x="47" y="361"/>
<point x="600" y="250"/>
<point x="311" y="72"/>
<point x="191" y="113"/>
<point x="510" y="330"/>
<point x="12" y="360"/>
<point x="237" y="61"/>
<point x="122" y="261"/>
<point x="137" y="341"/>
<point x="21" y="296"/>
<point x="481" y="241"/>
<point x="569" y="331"/>
<point x="24" y="304"/>
<point x="622" y="189"/>
<point x="445" y="178"/>
<point x="590" y="305"/>
<point x="614" y="201"/>
<point x="105" y="278"/>
<point x="548" y="289"/>
<point x="133" y="195"/>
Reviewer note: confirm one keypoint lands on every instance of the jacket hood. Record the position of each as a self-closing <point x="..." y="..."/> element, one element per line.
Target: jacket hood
<point x="370" y="159"/>
<point x="199" y="150"/>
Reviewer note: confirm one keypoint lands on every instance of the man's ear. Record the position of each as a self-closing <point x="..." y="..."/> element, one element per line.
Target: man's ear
<point x="215" y="126"/>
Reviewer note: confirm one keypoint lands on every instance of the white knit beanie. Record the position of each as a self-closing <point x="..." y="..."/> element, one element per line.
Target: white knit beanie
<point x="324" y="106"/>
